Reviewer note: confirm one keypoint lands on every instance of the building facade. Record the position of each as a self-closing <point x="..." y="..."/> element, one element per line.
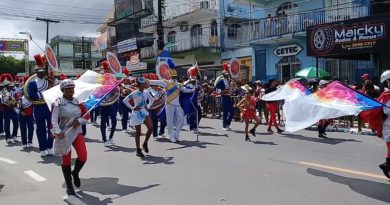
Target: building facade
<point x="74" y="57"/>
<point x="276" y="41"/>
<point x="197" y="31"/>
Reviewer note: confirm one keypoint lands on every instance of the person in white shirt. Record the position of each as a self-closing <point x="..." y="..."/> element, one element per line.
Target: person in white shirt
<point x="140" y="114"/>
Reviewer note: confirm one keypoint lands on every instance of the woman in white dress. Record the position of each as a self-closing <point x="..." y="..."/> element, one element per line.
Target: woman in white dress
<point x="68" y="114"/>
<point x="140" y="113"/>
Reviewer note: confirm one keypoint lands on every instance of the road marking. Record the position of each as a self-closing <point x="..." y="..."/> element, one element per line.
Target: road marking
<point x="349" y="171"/>
<point x="35" y="176"/>
<point x="7" y="160"/>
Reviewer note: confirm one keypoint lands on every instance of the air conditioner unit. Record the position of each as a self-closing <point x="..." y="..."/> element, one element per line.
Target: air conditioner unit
<point x="184" y="28"/>
<point x="204" y="5"/>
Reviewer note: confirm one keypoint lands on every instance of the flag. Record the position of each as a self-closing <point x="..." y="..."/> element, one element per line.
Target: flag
<point x="84" y="87"/>
<point x="303" y="109"/>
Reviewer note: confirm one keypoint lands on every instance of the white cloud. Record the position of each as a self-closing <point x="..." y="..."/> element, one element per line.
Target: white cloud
<point x="11" y="28"/>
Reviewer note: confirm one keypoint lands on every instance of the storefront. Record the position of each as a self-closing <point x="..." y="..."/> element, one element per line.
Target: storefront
<point x="359" y="40"/>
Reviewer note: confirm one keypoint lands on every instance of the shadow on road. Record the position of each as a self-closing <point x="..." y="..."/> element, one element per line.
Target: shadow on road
<point x="115" y="148"/>
<point x="263" y="143"/>
<point x="16" y="144"/>
<point x="105" y="186"/>
<point x="330" y="141"/>
<point x="149" y="159"/>
<point x="30" y="149"/>
<point x="205" y="134"/>
<point x="189" y="144"/>
<point x="206" y="127"/>
<point x="375" y="190"/>
<point x="53" y="160"/>
<point x="257" y="133"/>
<point x="1" y="187"/>
<point x="92" y="140"/>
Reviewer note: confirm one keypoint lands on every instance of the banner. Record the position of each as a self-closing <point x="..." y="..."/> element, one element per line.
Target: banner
<point x="12" y="46"/>
<point x="356" y="36"/>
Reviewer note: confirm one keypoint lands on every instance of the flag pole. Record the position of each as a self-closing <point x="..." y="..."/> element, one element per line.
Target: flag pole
<point x="98" y="102"/>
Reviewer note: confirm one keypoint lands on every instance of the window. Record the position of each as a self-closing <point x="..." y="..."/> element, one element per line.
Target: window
<point x="78" y="64"/>
<point x="171" y="37"/>
<point x="214" y="28"/>
<point x="232" y="31"/>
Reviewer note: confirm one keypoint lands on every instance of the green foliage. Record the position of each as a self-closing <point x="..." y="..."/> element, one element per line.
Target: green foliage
<point x="9" y="64"/>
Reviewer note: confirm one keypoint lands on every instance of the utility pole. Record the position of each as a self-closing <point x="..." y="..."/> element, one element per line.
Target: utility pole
<point x="82" y="52"/>
<point x="160" y="27"/>
<point x="47" y="25"/>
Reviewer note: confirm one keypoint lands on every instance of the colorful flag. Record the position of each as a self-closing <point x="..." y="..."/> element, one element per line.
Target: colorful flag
<point x="302" y="109"/>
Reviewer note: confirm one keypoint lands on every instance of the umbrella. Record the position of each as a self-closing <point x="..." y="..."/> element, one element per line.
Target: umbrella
<point x="311" y="72"/>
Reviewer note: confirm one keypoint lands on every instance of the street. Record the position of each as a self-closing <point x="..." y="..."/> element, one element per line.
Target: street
<point x="292" y="168"/>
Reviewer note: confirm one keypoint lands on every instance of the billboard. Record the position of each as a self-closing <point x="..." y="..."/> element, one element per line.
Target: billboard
<point x="357" y="36"/>
<point x="11" y="46"/>
<point x="127" y="45"/>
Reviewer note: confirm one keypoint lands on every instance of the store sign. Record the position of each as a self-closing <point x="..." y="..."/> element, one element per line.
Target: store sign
<point x="362" y="35"/>
<point x="134" y="67"/>
<point x="290" y="50"/>
<point x="127" y="45"/>
<point x="12" y="46"/>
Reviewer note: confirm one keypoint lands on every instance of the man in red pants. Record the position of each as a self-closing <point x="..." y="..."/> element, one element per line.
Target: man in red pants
<point x="272" y="107"/>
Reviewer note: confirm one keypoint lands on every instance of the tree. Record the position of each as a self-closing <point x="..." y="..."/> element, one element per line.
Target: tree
<point x="9" y="64"/>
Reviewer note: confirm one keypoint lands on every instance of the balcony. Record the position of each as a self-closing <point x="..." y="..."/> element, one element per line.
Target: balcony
<point x="268" y="29"/>
<point x="184" y="45"/>
<point x="148" y="24"/>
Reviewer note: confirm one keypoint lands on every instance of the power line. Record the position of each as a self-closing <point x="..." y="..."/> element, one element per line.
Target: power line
<point x="59" y="5"/>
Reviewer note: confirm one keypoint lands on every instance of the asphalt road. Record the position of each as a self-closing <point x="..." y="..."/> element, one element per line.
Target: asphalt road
<point x="221" y="168"/>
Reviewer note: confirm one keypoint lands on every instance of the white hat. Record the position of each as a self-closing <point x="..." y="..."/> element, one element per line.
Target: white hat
<point x="6" y="82"/>
<point x="67" y="83"/>
<point x="323" y="82"/>
<point x="385" y="76"/>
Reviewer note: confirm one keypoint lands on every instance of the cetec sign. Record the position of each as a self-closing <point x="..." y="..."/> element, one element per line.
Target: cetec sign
<point x="289" y="50"/>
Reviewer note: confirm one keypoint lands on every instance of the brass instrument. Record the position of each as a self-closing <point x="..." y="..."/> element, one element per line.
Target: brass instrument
<point x="113" y="97"/>
<point x="25" y="91"/>
<point x="7" y="99"/>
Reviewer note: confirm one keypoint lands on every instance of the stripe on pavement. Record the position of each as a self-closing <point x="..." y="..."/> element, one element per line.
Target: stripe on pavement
<point x="35" y="176"/>
<point x="7" y="160"/>
<point x="349" y="171"/>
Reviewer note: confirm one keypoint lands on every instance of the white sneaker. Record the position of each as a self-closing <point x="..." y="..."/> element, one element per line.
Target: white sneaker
<point x="111" y="141"/>
<point x="125" y="131"/>
<point x="2" y="133"/>
<point x="13" y="140"/>
<point x="43" y="154"/>
<point x="50" y="152"/>
<point x="29" y="145"/>
<point x="8" y="140"/>
<point x="225" y="129"/>
<point x="107" y="144"/>
<point x="173" y="140"/>
<point x="25" y="146"/>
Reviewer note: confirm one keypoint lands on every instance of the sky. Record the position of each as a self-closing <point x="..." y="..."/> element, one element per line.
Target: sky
<point x="80" y="17"/>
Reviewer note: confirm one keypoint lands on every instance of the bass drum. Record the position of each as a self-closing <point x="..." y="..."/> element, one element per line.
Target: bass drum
<point x="25" y="91"/>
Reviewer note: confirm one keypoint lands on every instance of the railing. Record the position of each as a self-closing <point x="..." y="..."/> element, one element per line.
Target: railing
<point x="194" y="42"/>
<point x="294" y="23"/>
<point x="148" y="21"/>
<point x="188" y="6"/>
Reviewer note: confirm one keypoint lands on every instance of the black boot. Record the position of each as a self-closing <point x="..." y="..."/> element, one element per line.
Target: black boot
<point x="139" y="153"/>
<point x="145" y="146"/>
<point x="76" y="171"/>
<point x="385" y="167"/>
<point x="247" y="138"/>
<point x="66" y="170"/>
<point x="280" y="131"/>
<point x="253" y="132"/>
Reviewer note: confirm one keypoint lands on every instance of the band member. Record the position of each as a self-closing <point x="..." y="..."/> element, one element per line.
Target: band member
<point x="41" y="111"/>
<point x="140" y="113"/>
<point x="125" y="90"/>
<point x="190" y="102"/>
<point x="9" y="101"/>
<point x="108" y="112"/>
<point x="223" y="87"/>
<point x="26" y="121"/>
<point x="68" y="115"/>
<point x="272" y="107"/>
<point x="1" y="107"/>
<point x="174" y="111"/>
<point x="247" y="107"/>
<point x="157" y="114"/>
